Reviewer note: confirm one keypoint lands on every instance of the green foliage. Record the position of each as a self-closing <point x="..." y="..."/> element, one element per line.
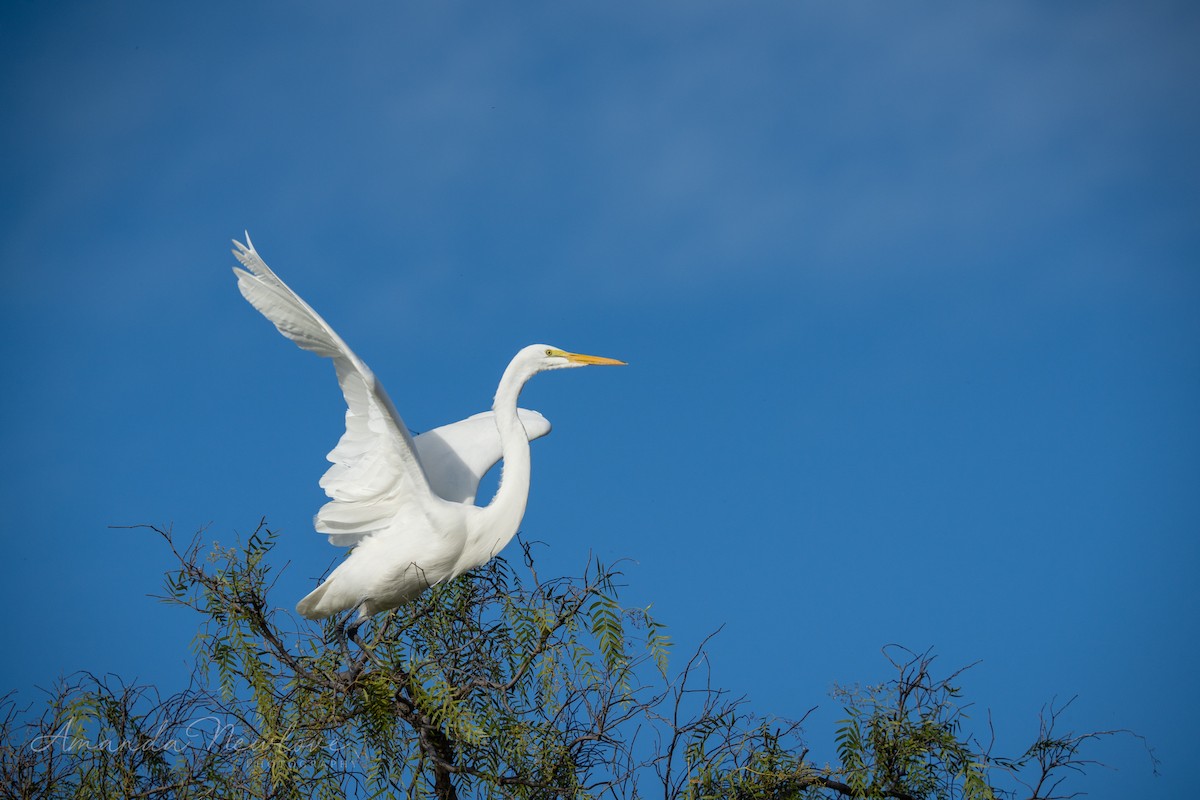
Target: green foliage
<point x="498" y="684"/>
<point x="904" y="739"/>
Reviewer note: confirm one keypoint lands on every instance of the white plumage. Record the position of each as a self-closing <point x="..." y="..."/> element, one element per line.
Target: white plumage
<point x="407" y="506"/>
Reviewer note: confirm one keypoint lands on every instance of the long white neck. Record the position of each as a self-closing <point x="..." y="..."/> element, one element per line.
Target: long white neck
<point x="497" y="523"/>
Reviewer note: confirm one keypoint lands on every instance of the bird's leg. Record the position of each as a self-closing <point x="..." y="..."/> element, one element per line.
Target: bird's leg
<point x="339" y="636"/>
<point x="352" y="631"/>
<point x="347" y="631"/>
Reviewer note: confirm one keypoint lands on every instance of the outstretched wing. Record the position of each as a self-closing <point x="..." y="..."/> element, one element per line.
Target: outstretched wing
<point x="376" y="467"/>
<point x="458" y="455"/>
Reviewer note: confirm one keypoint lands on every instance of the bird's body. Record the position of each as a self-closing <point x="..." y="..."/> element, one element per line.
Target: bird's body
<point x="394" y="565"/>
<point x="406" y="505"/>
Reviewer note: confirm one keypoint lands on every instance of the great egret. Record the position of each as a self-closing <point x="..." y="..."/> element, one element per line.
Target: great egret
<point x="406" y="505"/>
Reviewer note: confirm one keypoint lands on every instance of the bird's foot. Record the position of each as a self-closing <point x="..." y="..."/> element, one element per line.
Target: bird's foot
<point x="347" y="632"/>
<point x="352" y="631"/>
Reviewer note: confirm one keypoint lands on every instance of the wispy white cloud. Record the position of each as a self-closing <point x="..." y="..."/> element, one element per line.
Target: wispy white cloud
<point x="670" y="148"/>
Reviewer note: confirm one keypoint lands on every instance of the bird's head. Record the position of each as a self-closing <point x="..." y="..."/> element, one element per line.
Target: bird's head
<point x="546" y="356"/>
<point x="536" y="358"/>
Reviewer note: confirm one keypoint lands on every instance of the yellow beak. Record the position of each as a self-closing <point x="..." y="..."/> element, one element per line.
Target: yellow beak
<point x="599" y="361"/>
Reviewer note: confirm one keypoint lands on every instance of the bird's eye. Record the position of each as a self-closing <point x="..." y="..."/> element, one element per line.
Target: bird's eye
<point x="549" y="352"/>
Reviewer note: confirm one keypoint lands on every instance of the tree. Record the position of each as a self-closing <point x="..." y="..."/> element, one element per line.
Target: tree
<point x="498" y="684"/>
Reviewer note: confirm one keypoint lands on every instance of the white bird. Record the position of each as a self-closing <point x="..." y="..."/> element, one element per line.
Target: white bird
<point x="405" y="505"/>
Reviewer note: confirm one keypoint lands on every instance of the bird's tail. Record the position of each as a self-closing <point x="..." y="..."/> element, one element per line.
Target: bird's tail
<point x="311" y="606"/>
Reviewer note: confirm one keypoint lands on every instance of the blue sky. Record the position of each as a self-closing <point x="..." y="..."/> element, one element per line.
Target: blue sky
<point x="909" y="293"/>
